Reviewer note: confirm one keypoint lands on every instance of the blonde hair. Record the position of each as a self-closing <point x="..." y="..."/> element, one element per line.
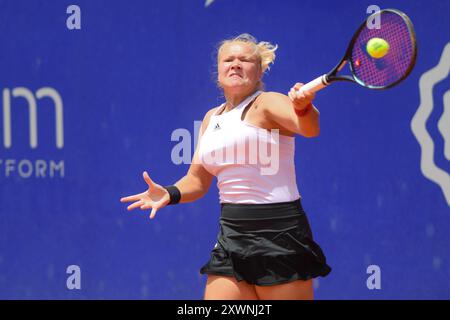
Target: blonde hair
<point x="265" y="51"/>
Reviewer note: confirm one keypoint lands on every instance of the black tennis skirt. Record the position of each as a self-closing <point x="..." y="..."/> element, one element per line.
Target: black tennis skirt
<point x="266" y="244"/>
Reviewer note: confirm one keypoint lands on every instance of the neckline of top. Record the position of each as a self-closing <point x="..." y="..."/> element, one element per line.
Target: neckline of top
<point x="245" y="102"/>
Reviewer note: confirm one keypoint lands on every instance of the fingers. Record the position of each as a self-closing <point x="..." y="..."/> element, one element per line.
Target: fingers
<point x="142" y="204"/>
<point x="291" y="95"/>
<point x="298" y="85"/>
<point x="153" y="213"/>
<point x="154" y="206"/>
<point x="135" y="205"/>
<point x="146" y="206"/>
<point x="149" y="181"/>
<point x="130" y="198"/>
<point x="296" y="94"/>
<point x="136" y="197"/>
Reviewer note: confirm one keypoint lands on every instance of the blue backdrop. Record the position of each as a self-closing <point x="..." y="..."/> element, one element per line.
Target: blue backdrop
<point x="114" y="92"/>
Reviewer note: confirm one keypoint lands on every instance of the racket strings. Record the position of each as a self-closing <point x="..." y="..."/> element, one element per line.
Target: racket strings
<point x="395" y="64"/>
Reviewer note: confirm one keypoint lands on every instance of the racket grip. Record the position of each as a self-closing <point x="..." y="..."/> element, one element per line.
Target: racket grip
<point x="316" y="84"/>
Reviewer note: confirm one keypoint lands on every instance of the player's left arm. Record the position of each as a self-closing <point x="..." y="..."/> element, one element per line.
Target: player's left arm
<point x="282" y="110"/>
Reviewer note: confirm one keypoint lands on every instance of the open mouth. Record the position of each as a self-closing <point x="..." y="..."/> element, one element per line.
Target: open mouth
<point x="235" y="75"/>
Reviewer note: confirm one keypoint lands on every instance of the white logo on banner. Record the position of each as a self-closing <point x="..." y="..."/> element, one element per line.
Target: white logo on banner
<point x="27" y="168"/>
<point x="32" y="109"/>
<point x="418" y="124"/>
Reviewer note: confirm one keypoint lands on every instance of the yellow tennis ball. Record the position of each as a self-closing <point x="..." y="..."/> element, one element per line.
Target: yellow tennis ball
<point x="377" y="48"/>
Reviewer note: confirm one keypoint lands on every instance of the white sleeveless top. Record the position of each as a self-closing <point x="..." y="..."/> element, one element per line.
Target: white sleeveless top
<point x="252" y="164"/>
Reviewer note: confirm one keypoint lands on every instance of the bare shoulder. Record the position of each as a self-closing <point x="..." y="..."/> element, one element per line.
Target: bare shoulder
<point x="274" y="107"/>
<point x="208" y="116"/>
<point x="210" y="113"/>
<point x="274" y="97"/>
<point x="273" y="100"/>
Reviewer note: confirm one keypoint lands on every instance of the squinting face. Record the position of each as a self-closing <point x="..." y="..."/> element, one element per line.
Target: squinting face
<point x="238" y="67"/>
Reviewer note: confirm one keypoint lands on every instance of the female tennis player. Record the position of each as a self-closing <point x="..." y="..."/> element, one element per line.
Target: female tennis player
<point x="265" y="247"/>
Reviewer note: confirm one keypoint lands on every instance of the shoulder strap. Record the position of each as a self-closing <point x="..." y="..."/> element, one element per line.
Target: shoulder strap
<point x="248" y="102"/>
<point x="220" y="108"/>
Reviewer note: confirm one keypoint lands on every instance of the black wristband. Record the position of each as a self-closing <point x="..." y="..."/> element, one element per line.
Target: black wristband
<point x="175" y="194"/>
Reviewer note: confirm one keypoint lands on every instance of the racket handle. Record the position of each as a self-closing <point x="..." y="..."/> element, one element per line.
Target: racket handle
<point x="315" y="85"/>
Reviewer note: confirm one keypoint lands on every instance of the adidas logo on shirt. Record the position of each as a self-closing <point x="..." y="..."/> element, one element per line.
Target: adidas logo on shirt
<point x="216" y="127"/>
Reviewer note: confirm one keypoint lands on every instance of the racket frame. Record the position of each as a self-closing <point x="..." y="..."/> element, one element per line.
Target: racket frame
<point x="326" y="79"/>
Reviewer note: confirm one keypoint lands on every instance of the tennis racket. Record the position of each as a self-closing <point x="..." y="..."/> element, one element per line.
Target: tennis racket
<point x="376" y="73"/>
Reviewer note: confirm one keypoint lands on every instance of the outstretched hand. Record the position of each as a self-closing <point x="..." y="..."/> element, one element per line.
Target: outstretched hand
<point x="156" y="197"/>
